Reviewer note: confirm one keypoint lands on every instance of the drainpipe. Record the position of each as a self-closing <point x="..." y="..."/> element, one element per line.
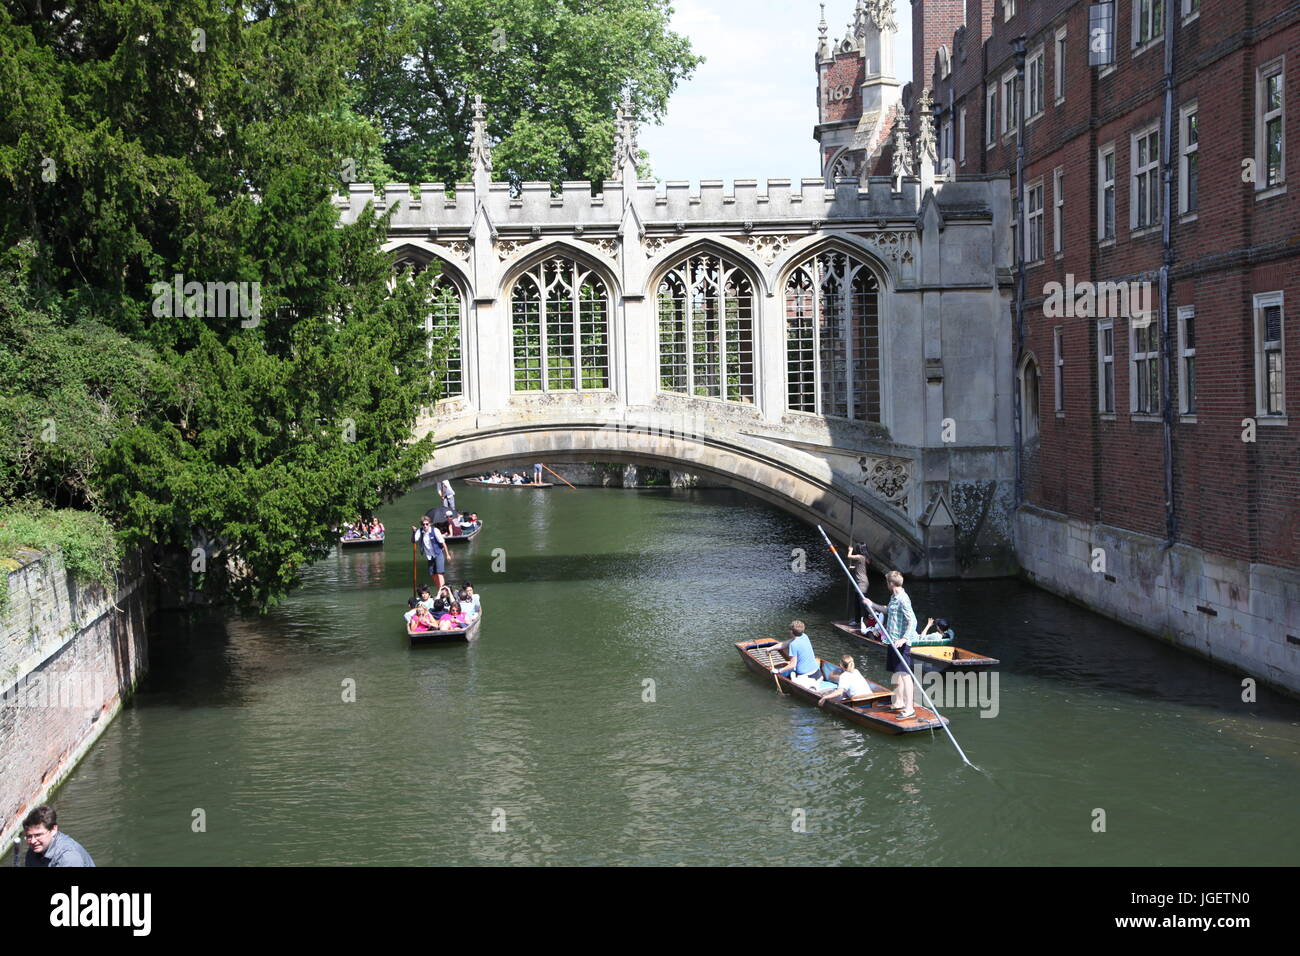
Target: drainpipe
<point x="1167" y="249"/>
<point x="1018" y="47"/>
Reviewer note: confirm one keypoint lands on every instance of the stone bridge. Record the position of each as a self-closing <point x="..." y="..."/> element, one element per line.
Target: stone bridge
<point x="841" y="350"/>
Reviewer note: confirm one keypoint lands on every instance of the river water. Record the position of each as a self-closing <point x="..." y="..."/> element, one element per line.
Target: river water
<point x="605" y="717"/>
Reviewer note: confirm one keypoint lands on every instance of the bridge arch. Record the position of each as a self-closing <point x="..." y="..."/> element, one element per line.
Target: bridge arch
<point x="796" y="481"/>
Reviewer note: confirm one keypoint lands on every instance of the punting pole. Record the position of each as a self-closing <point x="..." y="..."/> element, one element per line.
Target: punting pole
<point x="415" y="586"/>
<point x="924" y="696"/>
<point x="557" y="476"/>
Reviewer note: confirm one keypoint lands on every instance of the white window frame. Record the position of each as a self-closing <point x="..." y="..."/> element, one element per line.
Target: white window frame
<point x="1058" y="365"/>
<point x="1273" y="68"/>
<point x="1010" y="118"/>
<point x="1008" y="10"/>
<point x="1187" y="150"/>
<point x="1144" y="10"/>
<point x="1137" y="359"/>
<point x="961" y="134"/>
<point x="990" y="118"/>
<point x="1058" y="210"/>
<point x="1186" y="396"/>
<point x="1191" y="10"/>
<point x="1265" y="300"/>
<point x="1104" y="360"/>
<point x="1034" y="229"/>
<point x="1035" y="78"/>
<point x="1102" y="185"/>
<point x="1151" y="171"/>
<point x="1059" y="57"/>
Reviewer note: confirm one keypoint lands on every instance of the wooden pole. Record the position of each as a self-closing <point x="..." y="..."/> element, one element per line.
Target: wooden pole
<point x="557" y="476"/>
<point x="415" y="586"/>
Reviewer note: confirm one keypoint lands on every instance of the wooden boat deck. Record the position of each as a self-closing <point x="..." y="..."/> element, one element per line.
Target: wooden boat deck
<point x="869" y="711"/>
<point x="934" y="657"/>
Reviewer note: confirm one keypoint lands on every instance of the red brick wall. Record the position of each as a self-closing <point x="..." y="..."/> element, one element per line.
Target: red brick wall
<point x="1234" y="498"/>
<point x="845" y="71"/>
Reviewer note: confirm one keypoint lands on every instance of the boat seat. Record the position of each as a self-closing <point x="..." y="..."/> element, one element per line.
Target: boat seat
<point x="870" y="698"/>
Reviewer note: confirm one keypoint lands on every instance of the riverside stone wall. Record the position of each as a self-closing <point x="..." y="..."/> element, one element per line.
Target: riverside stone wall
<point x="70" y="655"/>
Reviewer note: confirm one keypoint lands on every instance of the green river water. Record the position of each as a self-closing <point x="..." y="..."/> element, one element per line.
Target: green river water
<point x="538" y="745"/>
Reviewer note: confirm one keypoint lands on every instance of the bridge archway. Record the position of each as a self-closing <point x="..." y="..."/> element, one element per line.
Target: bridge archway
<point x="796" y="482"/>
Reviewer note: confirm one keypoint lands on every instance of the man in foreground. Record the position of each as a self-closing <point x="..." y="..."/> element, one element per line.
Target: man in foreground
<point x="47" y="846"/>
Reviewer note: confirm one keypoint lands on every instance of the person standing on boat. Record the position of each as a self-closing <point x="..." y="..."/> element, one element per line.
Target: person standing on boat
<point x="434" y="548"/>
<point x="803" y="661"/>
<point x="448" y="494"/>
<point x="851" y="682"/>
<point x="900" y="631"/>
<point x="537" y="474"/>
<point x="858" y="563"/>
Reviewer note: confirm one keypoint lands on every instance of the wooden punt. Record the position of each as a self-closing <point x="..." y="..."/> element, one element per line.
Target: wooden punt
<point x="463" y="636"/>
<point x="940" y="657"/>
<point x="359" y="542"/>
<point x="468" y="536"/>
<point x="870" y="710"/>
<point x="480" y="483"/>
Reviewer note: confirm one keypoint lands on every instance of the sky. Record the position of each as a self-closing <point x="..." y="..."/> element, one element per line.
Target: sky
<point x="749" y="111"/>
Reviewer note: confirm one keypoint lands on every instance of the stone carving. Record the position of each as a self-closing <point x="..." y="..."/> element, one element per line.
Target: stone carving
<point x="605" y="245"/>
<point x="480" y="148"/>
<point x="655" y="245"/>
<point x="926" y="149"/>
<point x="887" y="478"/>
<point x="507" y="248"/>
<point x="625" y="133"/>
<point x="880" y="13"/>
<point x="461" y="249"/>
<point x="768" y="248"/>
<point x="892" y="245"/>
<point x="902" y="153"/>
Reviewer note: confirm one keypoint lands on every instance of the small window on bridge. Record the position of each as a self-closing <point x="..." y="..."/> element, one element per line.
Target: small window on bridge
<point x="832" y="308"/>
<point x="706" y="330"/>
<point x="560" y="328"/>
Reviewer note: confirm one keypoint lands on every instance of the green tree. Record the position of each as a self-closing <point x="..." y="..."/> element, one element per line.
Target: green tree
<point x="551" y="72"/>
<point x="144" y="143"/>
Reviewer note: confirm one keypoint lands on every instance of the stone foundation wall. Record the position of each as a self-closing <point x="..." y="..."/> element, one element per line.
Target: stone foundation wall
<point x="70" y="655"/>
<point x="1241" y="615"/>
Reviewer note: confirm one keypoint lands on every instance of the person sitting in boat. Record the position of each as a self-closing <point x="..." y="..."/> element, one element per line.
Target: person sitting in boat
<point x="453" y="525"/>
<point x="423" y="620"/>
<point x="425" y="598"/>
<point x="413" y="608"/>
<point x="851" y="683"/>
<point x="803" y="665"/>
<point x="900" y="631"/>
<point x="448" y="611"/>
<point x="516" y="479"/>
<point x="470" y="601"/>
<point x="943" y="632"/>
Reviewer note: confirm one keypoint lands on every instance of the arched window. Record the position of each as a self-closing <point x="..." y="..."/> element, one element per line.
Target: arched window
<point x="444" y="318"/>
<point x="1029" y="386"/>
<point x="706" y="330"/>
<point x="832" y="309"/>
<point x="847" y="165"/>
<point x="945" y="63"/>
<point x="560" y="328"/>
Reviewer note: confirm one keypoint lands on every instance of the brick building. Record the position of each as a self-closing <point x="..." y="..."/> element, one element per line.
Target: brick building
<point x="1158" y="348"/>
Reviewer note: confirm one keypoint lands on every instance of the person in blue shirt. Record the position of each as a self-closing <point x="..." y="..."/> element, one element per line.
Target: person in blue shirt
<point x="47" y="845"/>
<point x="803" y="662"/>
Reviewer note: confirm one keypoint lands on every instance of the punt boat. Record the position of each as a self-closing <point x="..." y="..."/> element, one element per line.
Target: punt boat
<point x="464" y="635"/>
<point x="480" y="483"/>
<point x="359" y="542"/>
<point x="870" y="710"/>
<point x="933" y="657"/>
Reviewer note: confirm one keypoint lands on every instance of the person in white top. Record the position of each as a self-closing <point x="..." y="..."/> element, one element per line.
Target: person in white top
<point x="851" y="683"/>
